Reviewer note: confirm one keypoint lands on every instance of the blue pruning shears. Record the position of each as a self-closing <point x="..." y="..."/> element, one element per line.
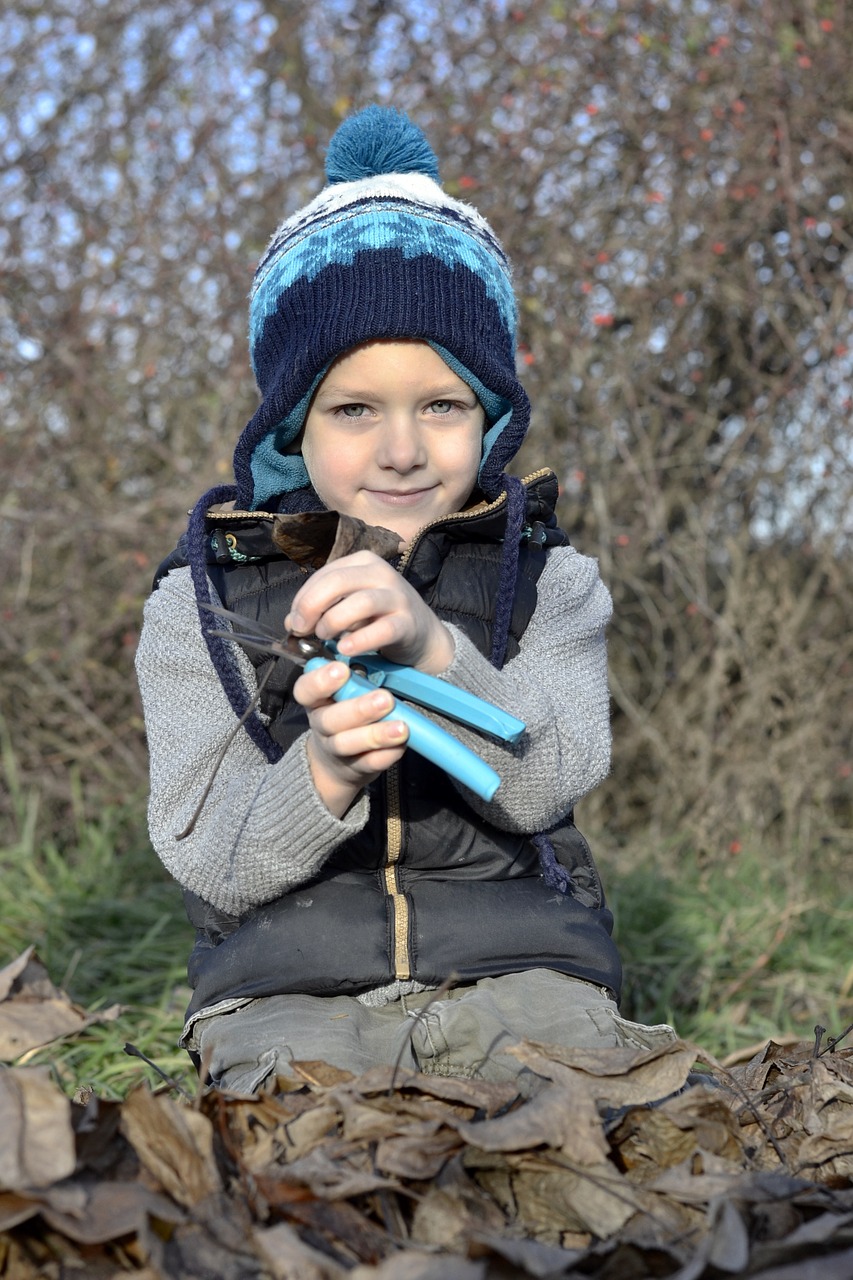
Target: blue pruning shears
<point x="371" y="670"/>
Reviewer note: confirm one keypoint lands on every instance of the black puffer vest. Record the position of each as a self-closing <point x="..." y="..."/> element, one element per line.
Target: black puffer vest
<point x="428" y="888"/>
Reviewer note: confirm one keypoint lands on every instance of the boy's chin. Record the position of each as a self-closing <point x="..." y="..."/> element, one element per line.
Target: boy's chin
<point x="406" y="520"/>
<point x="405" y="524"/>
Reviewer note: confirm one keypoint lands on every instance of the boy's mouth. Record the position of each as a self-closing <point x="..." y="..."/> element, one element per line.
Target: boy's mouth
<point x="400" y="497"/>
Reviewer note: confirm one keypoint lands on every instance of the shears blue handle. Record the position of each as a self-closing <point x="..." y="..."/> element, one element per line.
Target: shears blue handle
<point x="436" y="695"/>
<point x="427" y="739"/>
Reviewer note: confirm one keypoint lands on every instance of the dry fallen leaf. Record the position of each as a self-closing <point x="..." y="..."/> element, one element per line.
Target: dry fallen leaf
<point x="290" y="1258"/>
<point x="107" y="1211"/>
<point x="410" y="1265"/>
<point x="337" y="1174"/>
<point x="453" y="1210"/>
<point x="563" y="1117"/>
<point x="33" y="1012"/>
<point x="621" y="1077"/>
<point x="655" y="1139"/>
<point x="397" y="1174"/>
<point x="174" y="1143"/>
<point x="483" y="1095"/>
<point x="37" y="1145"/>
<point x="546" y="1198"/>
<point x="418" y="1154"/>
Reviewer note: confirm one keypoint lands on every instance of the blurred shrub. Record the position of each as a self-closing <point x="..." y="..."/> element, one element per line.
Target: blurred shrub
<point x="673" y="183"/>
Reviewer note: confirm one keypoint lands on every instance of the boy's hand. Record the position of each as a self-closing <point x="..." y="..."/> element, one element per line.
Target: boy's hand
<point x="364" y="604"/>
<point x="349" y="744"/>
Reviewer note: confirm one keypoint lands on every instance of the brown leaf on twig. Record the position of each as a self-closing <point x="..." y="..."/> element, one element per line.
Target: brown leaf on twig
<point x="314" y="538"/>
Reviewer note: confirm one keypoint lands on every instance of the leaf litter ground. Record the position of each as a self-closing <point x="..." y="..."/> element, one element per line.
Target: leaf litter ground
<point x="622" y="1164"/>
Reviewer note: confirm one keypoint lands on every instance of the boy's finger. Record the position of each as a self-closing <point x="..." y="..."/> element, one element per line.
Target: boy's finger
<point x="382" y="735"/>
<point x="329" y="586"/>
<point x="320" y="684"/>
<point x="330" y="717"/>
<point x="352" y="713"/>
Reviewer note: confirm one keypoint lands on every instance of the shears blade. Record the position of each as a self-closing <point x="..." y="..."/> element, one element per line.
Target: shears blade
<point x="263" y="639"/>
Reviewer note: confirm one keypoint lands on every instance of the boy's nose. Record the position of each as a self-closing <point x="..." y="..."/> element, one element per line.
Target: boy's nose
<point x="401" y="447"/>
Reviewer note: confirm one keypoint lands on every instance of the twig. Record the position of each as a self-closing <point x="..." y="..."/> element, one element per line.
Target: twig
<point x="761" y="962"/>
<point x="188" y="829"/>
<point x="753" y="1106"/>
<point x="410" y="1030"/>
<point x="132" y="1052"/>
<point x="834" y="1041"/>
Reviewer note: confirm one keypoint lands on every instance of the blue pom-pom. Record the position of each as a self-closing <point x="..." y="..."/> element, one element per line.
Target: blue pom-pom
<point x="378" y="140"/>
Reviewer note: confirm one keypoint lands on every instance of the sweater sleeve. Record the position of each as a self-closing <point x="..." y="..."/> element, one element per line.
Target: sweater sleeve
<point x="556" y="684"/>
<point x="263" y="829"/>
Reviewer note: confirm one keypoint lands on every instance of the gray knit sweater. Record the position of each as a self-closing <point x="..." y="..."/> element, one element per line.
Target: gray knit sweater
<point x="264" y="830"/>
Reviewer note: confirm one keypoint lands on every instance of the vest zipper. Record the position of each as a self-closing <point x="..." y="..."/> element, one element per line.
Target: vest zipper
<point x="459" y="517"/>
<point x="401" y="958"/>
<point x="401" y="961"/>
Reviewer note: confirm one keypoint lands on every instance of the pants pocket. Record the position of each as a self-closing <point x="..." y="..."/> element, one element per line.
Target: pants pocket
<point x="632" y="1035"/>
<point x="248" y="1077"/>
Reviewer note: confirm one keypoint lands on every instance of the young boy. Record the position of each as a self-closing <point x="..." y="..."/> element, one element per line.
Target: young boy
<point x="335" y="878"/>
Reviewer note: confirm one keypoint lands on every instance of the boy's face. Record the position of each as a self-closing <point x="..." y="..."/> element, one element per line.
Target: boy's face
<point x="393" y="436"/>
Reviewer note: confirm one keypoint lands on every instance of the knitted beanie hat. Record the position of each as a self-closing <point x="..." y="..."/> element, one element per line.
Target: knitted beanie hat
<point x="381" y="252"/>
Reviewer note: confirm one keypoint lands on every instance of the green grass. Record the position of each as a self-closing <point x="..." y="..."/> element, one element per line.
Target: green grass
<point x="732" y="952"/>
<point x="736" y="951"/>
<point x="109" y="925"/>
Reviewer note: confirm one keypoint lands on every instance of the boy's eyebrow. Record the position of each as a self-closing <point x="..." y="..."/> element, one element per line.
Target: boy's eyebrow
<point x="440" y="391"/>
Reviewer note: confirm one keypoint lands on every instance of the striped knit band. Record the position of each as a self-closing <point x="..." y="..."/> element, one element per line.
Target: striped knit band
<point x="381" y="252"/>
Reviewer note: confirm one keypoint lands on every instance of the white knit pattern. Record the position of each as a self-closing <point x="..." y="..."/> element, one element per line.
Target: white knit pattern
<point x="414" y="187"/>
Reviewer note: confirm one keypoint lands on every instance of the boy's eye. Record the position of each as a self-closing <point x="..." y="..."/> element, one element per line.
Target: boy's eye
<point x="353" y="410"/>
<point x="442" y="406"/>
